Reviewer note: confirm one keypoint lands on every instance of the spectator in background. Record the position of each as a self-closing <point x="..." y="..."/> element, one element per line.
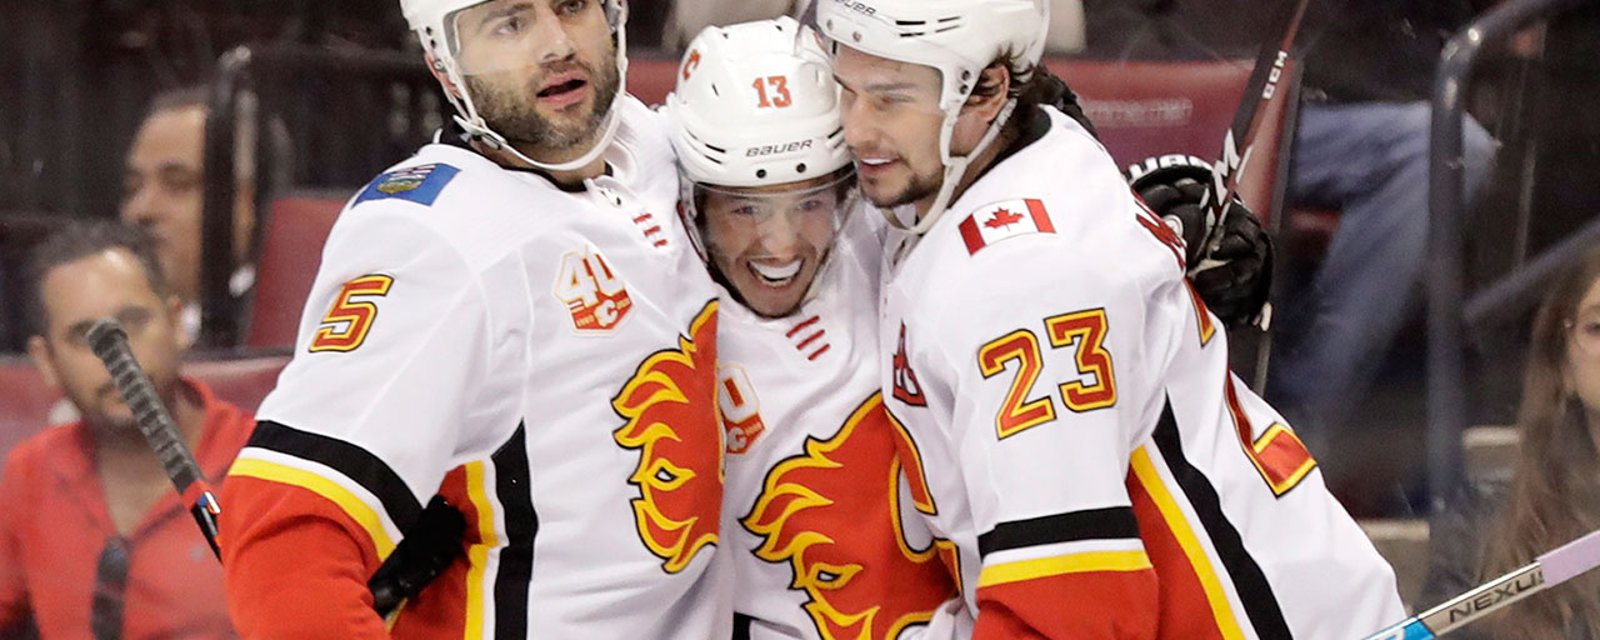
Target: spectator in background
<point x="164" y="191"/>
<point x="1361" y="146"/>
<point x="689" y="17"/>
<point x="94" y="542"/>
<point x="1554" y="496"/>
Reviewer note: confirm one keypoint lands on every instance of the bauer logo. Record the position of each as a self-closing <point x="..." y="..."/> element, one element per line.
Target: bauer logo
<point x="858" y="7"/>
<point x="773" y="149"/>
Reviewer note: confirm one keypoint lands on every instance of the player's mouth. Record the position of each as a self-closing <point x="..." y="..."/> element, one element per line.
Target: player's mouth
<point x="564" y="90"/>
<point x="776" y="276"/>
<point x="872" y="167"/>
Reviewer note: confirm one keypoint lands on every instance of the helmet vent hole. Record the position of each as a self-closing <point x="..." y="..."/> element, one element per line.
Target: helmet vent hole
<point x="761" y="173"/>
<point x="800" y="168"/>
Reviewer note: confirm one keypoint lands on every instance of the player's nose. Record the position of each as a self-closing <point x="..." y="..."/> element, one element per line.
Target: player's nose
<point x="780" y="236"/>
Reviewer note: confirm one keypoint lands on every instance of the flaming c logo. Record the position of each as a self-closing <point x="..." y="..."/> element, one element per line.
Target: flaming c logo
<point x="670" y="408"/>
<point x="833" y="514"/>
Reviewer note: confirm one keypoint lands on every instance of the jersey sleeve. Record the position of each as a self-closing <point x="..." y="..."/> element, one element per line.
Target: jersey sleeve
<point x="1046" y="350"/>
<point x="385" y="385"/>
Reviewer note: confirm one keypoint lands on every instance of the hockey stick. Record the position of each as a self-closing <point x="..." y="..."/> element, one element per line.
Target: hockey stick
<point x="1570" y="561"/>
<point x="1239" y="144"/>
<point x="110" y="343"/>
<point x="427" y="549"/>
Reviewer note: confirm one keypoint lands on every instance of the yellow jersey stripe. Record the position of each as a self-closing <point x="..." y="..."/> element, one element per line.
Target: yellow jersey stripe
<point x="353" y="507"/>
<point x="478" y="555"/>
<point x="1145" y="470"/>
<point x="1021" y="570"/>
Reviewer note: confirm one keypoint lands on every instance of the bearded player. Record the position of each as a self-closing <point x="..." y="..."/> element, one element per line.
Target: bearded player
<point x="511" y="320"/>
<point x="1084" y="447"/>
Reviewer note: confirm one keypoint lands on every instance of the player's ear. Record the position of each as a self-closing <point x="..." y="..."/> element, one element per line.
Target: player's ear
<point x="994" y="87"/>
<point x="436" y="67"/>
<point x="39" y="353"/>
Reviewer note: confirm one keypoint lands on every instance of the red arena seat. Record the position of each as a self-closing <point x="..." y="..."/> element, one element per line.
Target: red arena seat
<point x="651" y="79"/>
<point x="1144" y="109"/>
<point x="291" y="251"/>
<point x="25" y="402"/>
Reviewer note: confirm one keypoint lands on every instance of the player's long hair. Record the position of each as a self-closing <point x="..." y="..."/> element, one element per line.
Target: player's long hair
<point x="1555" y="494"/>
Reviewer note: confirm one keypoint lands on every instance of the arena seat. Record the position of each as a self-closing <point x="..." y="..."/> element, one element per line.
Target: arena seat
<point x="26" y="401"/>
<point x="291" y="251"/>
<point x="242" y="379"/>
<point x="651" y="79"/>
<point x="1144" y="109"/>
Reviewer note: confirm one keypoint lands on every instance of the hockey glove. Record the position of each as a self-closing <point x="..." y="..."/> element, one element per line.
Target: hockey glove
<point x="1235" y="276"/>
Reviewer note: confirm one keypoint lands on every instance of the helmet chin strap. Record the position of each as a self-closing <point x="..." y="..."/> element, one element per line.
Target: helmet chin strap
<point x="955" y="168"/>
<point x="607" y="132"/>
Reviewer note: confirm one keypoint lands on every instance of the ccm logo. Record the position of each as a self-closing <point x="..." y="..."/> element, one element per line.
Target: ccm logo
<point x="767" y="150"/>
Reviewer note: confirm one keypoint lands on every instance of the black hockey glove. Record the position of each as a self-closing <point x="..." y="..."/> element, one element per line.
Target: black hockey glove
<point x="1235" y="276"/>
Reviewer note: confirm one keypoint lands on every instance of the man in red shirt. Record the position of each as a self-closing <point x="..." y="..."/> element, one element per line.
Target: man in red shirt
<point x="94" y="542"/>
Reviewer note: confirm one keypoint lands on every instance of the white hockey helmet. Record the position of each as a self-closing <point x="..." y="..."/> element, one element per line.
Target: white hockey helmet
<point x="434" y="23"/>
<point x="756" y="107"/>
<point x="958" y="39"/>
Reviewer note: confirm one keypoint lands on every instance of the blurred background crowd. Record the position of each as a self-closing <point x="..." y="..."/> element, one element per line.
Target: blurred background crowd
<point x="224" y="136"/>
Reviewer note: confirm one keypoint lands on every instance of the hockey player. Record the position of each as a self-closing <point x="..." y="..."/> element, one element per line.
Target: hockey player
<point x="1082" y="444"/>
<point x="818" y="526"/>
<point x="514" y="321"/>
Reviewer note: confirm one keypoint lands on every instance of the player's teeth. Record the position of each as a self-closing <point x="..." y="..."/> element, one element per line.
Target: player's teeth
<point x="871" y="162"/>
<point x="776" y="274"/>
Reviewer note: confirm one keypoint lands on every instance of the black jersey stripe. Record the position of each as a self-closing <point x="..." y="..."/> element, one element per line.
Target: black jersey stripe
<point x="357" y="464"/>
<point x="514" y="491"/>
<point x="1110" y="523"/>
<point x="1251" y="584"/>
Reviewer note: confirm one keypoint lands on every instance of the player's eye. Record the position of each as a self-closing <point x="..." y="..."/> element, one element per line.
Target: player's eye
<point x="510" y="26"/>
<point x="813" y="205"/>
<point x="572" y="7"/>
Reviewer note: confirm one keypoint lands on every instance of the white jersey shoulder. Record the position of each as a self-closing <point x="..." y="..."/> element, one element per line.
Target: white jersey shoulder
<point x="480" y="333"/>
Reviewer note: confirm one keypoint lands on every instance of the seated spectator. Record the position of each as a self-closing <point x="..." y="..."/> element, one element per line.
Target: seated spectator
<point x="164" y="192"/>
<point x="94" y="541"/>
<point x="1554" y="495"/>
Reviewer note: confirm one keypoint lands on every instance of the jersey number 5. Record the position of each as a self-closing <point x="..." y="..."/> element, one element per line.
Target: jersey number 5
<point x="346" y="325"/>
<point x="1085" y="331"/>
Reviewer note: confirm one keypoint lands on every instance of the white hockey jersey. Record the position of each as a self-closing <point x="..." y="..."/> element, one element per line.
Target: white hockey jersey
<point x="543" y="359"/>
<point x="1086" y="449"/>
<point x="814" y="524"/>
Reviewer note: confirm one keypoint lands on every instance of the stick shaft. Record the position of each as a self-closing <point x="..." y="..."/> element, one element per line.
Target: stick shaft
<point x="1565" y="563"/>
<point x="1239" y="144"/>
<point x="110" y="343"/>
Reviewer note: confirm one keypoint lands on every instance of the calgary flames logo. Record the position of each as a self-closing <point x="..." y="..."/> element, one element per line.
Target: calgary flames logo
<point x="844" y="540"/>
<point x="670" y="406"/>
